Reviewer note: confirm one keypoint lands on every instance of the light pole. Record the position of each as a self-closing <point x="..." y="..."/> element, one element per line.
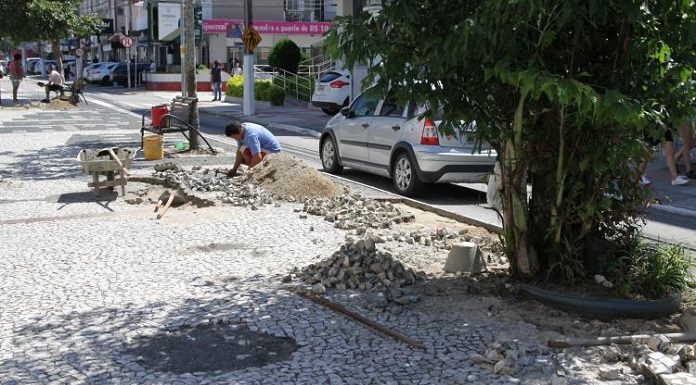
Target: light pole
<point x="248" y="71"/>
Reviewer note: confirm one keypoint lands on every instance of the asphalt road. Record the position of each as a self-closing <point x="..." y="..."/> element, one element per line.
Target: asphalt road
<point x="467" y="200"/>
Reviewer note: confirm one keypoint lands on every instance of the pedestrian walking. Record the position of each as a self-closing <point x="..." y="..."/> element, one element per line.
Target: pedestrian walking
<point x="686" y="131"/>
<point x="16" y="74"/>
<point x="254" y="142"/>
<point x="667" y="142"/>
<point x="216" y="80"/>
<point x="237" y="70"/>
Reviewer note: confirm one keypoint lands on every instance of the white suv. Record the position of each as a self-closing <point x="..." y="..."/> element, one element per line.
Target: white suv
<point x="332" y="91"/>
<point x="383" y="138"/>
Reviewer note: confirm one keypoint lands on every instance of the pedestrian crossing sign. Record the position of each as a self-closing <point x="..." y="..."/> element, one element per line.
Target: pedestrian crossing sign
<point x="251" y="38"/>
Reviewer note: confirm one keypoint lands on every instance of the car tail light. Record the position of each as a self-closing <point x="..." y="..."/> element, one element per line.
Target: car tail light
<point x="429" y="133"/>
<point x="338" y="84"/>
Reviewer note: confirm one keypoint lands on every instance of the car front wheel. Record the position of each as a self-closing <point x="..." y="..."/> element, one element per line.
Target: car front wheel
<point x="329" y="156"/>
<point x="404" y="176"/>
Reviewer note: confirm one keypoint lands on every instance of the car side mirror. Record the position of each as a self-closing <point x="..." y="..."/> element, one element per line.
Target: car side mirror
<point x="345" y="111"/>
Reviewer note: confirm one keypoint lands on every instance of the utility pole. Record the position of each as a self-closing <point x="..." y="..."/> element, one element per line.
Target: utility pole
<point x="182" y="47"/>
<point x="190" y="84"/>
<point x="248" y="70"/>
<point x="128" y="50"/>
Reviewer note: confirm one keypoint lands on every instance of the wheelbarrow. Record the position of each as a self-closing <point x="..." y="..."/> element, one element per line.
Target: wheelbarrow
<point x="108" y="162"/>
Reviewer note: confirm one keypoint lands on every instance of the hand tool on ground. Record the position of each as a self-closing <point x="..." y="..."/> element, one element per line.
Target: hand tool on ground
<point x="568" y="342"/>
<point x="162" y="198"/>
<point x="166" y="206"/>
<point x="358" y="317"/>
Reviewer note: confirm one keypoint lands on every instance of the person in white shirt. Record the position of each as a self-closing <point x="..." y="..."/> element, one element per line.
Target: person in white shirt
<point x="55" y="82"/>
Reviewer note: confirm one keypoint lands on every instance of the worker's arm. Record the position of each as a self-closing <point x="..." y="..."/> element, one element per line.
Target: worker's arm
<point x="238" y="158"/>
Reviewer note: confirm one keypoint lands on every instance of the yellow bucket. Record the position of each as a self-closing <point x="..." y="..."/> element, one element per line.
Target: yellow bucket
<point x="153" y="147"/>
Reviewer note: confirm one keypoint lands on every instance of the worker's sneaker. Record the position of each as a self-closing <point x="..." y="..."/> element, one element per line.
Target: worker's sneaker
<point x="680" y="180"/>
<point x="45" y="100"/>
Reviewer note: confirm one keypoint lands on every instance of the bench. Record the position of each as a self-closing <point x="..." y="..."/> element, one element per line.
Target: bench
<point x="177" y="120"/>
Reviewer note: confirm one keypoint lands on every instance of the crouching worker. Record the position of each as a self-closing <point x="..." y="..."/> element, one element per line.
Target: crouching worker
<point x="254" y="142"/>
<point x="55" y="82"/>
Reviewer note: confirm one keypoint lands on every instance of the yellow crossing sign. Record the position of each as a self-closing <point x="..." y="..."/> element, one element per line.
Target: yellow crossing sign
<point x="251" y="38"/>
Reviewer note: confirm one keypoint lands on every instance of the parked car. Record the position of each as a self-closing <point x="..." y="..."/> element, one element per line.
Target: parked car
<point x="88" y="68"/>
<point x="30" y="63"/>
<point x="332" y="91"/>
<point x="380" y="137"/>
<point x="102" y="73"/>
<point x="119" y="75"/>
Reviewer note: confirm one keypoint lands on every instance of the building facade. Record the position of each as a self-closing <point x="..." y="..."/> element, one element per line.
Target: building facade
<point x="153" y="26"/>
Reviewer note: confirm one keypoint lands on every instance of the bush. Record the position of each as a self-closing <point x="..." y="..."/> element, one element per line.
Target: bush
<point x="286" y="55"/>
<point x="263" y="90"/>
<point x="653" y="271"/>
<point x="276" y="96"/>
<point x="235" y="87"/>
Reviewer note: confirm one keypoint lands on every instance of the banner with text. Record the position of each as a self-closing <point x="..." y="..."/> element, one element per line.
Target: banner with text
<point x="232" y="26"/>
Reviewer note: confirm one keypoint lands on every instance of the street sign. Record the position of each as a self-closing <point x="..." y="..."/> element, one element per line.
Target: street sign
<point x="126" y="42"/>
<point x="79" y="52"/>
<point x="251" y="38"/>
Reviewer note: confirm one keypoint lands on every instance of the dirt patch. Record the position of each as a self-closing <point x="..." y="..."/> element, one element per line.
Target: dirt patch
<point x="285" y="176"/>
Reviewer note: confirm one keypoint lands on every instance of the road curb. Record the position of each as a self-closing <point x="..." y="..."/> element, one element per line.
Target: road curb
<point x="285" y="127"/>
<point x="674" y="210"/>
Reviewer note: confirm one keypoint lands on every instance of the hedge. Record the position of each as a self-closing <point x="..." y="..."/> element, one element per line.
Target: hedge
<point x="263" y="90"/>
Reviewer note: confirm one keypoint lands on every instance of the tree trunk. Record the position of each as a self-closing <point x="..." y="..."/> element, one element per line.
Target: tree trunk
<point x="190" y="58"/>
<point x="515" y="213"/>
<point x="55" y="45"/>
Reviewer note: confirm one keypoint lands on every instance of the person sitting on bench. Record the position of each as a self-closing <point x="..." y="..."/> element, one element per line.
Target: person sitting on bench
<point x="55" y="82"/>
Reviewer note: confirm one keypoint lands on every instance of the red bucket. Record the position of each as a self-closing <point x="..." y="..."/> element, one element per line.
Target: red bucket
<point x="157" y="113"/>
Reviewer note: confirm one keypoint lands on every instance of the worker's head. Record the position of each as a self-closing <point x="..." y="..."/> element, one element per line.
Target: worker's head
<point x="49" y="67"/>
<point x="216" y="62"/>
<point x="235" y="130"/>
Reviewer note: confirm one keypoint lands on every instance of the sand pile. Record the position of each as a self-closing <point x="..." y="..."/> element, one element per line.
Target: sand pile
<point x="285" y="176"/>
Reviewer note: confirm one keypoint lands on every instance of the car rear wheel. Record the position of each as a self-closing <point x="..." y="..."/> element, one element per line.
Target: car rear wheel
<point x="329" y="156"/>
<point x="404" y="176"/>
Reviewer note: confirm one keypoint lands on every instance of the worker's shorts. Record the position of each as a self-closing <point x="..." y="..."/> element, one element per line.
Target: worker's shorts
<point x="246" y="153"/>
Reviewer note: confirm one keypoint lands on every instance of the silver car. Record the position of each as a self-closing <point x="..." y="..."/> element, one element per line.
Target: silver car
<point x="380" y="137"/>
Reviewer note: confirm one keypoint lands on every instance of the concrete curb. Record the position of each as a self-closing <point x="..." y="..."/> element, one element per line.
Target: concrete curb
<point x="674" y="210"/>
<point x="285" y="127"/>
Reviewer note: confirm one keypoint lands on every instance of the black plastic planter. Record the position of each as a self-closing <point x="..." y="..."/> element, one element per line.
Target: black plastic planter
<point x="605" y="308"/>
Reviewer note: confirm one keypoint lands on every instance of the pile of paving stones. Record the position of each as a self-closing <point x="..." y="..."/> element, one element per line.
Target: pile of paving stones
<point x="229" y="190"/>
<point x="658" y="357"/>
<point x="353" y="211"/>
<point x="502" y="357"/>
<point x="359" y="265"/>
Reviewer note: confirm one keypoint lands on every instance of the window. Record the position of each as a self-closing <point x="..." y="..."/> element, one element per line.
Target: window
<point x="364" y="106"/>
<point x="329" y="76"/>
<point x="390" y="108"/>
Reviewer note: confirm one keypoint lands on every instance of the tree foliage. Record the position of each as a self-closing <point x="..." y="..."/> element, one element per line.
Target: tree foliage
<point x="565" y="91"/>
<point x="286" y="55"/>
<point x="37" y="20"/>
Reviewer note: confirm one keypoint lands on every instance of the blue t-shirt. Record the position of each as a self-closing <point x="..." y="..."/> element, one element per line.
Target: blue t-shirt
<point x="257" y="137"/>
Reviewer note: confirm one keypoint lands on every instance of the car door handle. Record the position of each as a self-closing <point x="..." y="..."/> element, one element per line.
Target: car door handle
<point x="365" y="125"/>
<point x="396" y="128"/>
